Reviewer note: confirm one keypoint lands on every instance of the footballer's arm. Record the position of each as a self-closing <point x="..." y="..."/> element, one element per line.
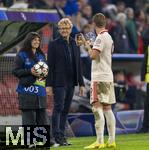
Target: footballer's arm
<point x="93" y="53"/>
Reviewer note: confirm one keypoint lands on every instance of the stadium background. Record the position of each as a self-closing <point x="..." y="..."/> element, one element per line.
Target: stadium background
<point x="16" y="23"/>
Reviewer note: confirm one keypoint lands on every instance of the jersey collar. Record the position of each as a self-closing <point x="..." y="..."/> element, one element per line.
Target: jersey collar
<point x="105" y="30"/>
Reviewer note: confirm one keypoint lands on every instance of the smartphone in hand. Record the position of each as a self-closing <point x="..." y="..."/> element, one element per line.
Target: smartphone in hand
<point x="79" y="38"/>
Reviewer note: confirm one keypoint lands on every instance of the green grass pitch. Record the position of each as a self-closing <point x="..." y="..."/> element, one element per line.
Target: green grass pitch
<point x="124" y="142"/>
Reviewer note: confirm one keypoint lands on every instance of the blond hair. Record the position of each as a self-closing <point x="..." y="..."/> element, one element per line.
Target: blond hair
<point x="65" y="21"/>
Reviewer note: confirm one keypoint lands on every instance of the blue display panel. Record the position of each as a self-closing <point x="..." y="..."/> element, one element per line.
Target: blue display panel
<point x="29" y="15"/>
<point x="128" y="57"/>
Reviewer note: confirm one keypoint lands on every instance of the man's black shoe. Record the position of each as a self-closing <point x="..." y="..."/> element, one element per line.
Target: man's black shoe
<point x="62" y="141"/>
<point x="66" y="142"/>
<point x="143" y="130"/>
<point x="53" y="143"/>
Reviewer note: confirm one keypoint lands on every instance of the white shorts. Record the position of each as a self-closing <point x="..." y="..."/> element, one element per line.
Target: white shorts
<point x="102" y="92"/>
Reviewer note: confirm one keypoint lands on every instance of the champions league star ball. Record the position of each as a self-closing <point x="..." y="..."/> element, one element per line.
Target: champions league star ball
<point x="41" y="68"/>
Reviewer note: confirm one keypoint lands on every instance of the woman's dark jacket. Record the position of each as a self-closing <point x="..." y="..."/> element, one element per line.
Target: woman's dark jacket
<point x="22" y="70"/>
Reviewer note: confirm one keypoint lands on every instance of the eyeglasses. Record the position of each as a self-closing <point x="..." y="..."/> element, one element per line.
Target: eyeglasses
<point x="66" y="28"/>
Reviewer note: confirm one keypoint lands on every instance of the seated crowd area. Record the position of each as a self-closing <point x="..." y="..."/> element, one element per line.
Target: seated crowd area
<point x="128" y="20"/>
<point x="128" y="24"/>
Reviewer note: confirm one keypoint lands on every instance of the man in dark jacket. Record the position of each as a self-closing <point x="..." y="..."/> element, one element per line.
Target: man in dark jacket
<point x="145" y="77"/>
<point x="64" y="74"/>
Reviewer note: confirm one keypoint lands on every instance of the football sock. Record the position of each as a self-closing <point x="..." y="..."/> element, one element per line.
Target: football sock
<point x="99" y="124"/>
<point x="110" y="120"/>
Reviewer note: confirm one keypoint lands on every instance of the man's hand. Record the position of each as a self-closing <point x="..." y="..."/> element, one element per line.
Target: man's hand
<point x="87" y="45"/>
<point x="81" y="90"/>
<point x="49" y="91"/>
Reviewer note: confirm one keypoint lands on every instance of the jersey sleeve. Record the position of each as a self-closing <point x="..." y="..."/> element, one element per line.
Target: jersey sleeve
<point x="98" y="44"/>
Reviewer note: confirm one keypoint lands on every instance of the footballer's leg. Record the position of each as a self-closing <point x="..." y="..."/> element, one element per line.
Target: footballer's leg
<point x="99" y="126"/>
<point x="111" y="123"/>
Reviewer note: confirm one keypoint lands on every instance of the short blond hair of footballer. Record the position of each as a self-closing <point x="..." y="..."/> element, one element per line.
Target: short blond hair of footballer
<point x="65" y="21"/>
<point x="100" y="20"/>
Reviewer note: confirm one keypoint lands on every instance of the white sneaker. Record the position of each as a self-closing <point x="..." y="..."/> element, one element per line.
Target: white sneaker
<point x="55" y="145"/>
